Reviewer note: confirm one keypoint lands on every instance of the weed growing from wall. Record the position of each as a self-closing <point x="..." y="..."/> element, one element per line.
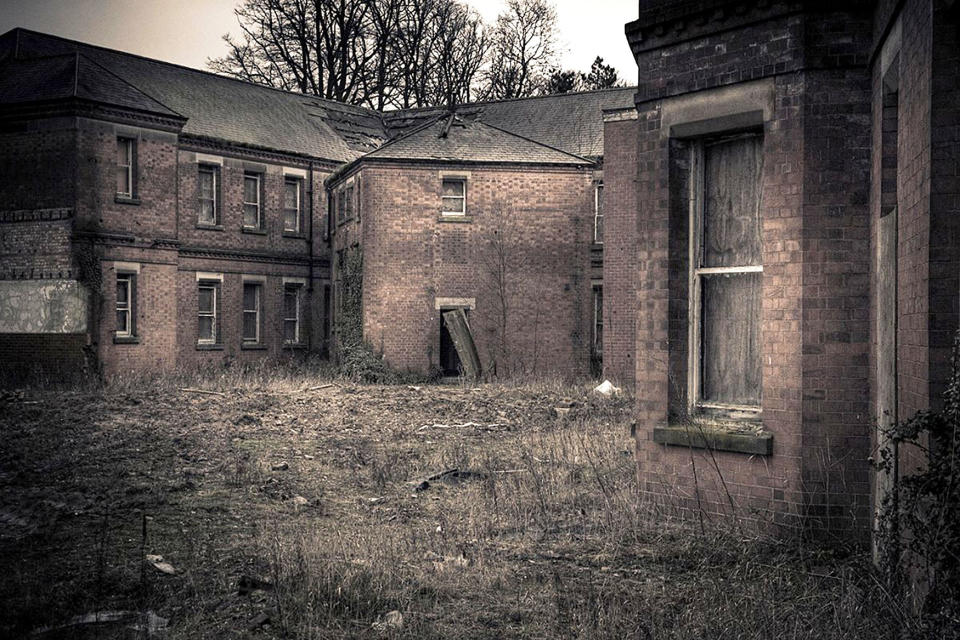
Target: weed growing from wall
<point x="920" y="519"/>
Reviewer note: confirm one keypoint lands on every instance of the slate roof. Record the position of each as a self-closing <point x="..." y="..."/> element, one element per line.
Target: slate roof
<point x="223" y="108"/>
<point x="36" y="66"/>
<point x="572" y="122"/>
<point x="452" y="139"/>
<point x="71" y="76"/>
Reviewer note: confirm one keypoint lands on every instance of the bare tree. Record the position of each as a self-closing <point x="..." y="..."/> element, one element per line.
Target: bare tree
<point x="402" y="53"/>
<point x="523" y="51"/>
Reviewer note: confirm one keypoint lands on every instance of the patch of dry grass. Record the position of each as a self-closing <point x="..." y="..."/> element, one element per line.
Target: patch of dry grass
<point x="312" y="488"/>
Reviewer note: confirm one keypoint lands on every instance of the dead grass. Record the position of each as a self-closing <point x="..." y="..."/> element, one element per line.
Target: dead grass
<point x="314" y="491"/>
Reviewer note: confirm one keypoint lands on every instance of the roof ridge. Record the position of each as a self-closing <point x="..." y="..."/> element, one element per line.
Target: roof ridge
<point x="123" y="80"/>
<point x="489" y="102"/>
<point x="185" y="67"/>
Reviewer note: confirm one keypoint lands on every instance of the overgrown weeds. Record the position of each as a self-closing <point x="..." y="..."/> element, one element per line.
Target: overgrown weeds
<point x="315" y="487"/>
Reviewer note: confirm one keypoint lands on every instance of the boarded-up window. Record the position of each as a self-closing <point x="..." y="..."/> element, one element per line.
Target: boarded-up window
<point x="728" y="272"/>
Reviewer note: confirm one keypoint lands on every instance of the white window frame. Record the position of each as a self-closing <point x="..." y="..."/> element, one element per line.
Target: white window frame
<point x="297" y="289"/>
<point x="258" y="177"/>
<point x="257" y="310"/>
<point x="298" y="183"/>
<point x="214" y="286"/>
<point x="597" y="212"/>
<point x="696" y="404"/>
<point x="127" y="330"/>
<point x="463" y="199"/>
<point x="214" y="171"/>
<point x="129" y="143"/>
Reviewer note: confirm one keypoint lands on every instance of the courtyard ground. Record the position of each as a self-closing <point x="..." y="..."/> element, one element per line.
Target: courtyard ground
<point x="296" y="507"/>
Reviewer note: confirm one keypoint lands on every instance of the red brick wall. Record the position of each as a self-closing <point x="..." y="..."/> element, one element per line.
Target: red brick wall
<point x="411" y="258"/>
<point x="816" y="270"/>
<point x="619" y="257"/>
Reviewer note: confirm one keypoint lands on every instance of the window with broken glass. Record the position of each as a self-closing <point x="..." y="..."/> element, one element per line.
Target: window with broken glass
<point x="208" y="299"/>
<point x="726" y="276"/>
<point x="207" y="194"/>
<point x="454" y="199"/>
<point x="291" y="314"/>
<point x="252" y="294"/>
<point x="292" y="197"/>
<point x="252" y="209"/>
<point x="125" y="305"/>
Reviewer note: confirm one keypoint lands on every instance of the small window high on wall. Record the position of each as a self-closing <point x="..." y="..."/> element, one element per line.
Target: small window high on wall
<point x="726" y="274"/>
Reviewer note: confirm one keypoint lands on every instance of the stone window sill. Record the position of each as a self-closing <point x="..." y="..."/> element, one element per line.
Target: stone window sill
<point x="718" y="440"/>
<point x="126" y="339"/>
<point x="126" y="200"/>
<point x="454" y="218"/>
<point x="210" y="227"/>
<point x="295" y="234"/>
<point x="255" y="231"/>
<point x="253" y="346"/>
<point x="209" y="347"/>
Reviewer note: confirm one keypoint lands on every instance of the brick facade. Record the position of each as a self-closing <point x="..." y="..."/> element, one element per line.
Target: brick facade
<point x="414" y="259"/>
<point x="809" y="78"/>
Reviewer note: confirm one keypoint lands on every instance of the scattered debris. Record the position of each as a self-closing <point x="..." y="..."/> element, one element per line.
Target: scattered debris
<point x="160" y="565"/>
<point x="607" y="389"/>
<point x="391" y="620"/>
<point x="492" y="425"/>
<point x="375" y="501"/>
<point x="300" y="501"/>
<point x="561" y="411"/>
<point x="322" y="386"/>
<point x="280" y="466"/>
<point x="260" y="620"/>
<point x="247" y="419"/>
<point x="450" y="476"/>
<point x="413" y="388"/>
<point x="204" y="391"/>
<point x="249" y="584"/>
<point x="147" y="622"/>
<point x="459" y="329"/>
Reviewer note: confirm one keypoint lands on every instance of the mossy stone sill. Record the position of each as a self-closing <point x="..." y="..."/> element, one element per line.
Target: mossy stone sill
<point x="691" y="436"/>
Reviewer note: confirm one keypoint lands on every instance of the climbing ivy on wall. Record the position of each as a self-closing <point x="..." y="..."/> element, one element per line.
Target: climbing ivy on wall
<point x="349" y="312"/>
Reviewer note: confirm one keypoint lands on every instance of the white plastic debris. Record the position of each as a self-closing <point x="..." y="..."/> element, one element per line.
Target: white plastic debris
<point x="607" y="389"/>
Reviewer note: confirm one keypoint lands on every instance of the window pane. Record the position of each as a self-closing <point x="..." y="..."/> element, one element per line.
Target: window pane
<point x="290" y="303"/>
<point x="289" y="331"/>
<point x="290" y="192"/>
<point x="206" y="300"/>
<point x="122" y="321"/>
<point x="290" y="220"/>
<point x="250" y="297"/>
<point x="453" y="188"/>
<point x="205" y="330"/>
<point x="731" y="338"/>
<point x="123" y="151"/>
<point x="249" y="325"/>
<point x="731" y="203"/>
<point x="250" y="216"/>
<point x="206" y="185"/>
<point x="453" y="205"/>
<point x="251" y="189"/>
<point x="123" y="180"/>
<point x="206" y="211"/>
<point x="122" y="290"/>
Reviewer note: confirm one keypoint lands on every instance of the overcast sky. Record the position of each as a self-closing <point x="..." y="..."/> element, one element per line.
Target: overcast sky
<point x="189" y="31"/>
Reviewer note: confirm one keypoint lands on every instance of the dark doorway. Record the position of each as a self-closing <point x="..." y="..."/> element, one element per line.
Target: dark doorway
<point x="449" y="359"/>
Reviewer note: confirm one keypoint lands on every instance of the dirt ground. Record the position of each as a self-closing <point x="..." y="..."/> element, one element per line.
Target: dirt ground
<point x="306" y="509"/>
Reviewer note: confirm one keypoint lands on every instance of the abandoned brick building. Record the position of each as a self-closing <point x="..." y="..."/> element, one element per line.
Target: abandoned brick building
<point x="158" y="217"/>
<point x="782" y="254"/>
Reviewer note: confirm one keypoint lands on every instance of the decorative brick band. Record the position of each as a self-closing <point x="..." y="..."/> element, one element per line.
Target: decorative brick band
<point x="36" y="215"/>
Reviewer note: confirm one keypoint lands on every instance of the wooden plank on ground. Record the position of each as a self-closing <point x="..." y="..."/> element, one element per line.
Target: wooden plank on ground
<point x="456" y="322"/>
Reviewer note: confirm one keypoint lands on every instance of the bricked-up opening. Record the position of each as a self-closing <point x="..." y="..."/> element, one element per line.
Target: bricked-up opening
<point x="726" y="273"/>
